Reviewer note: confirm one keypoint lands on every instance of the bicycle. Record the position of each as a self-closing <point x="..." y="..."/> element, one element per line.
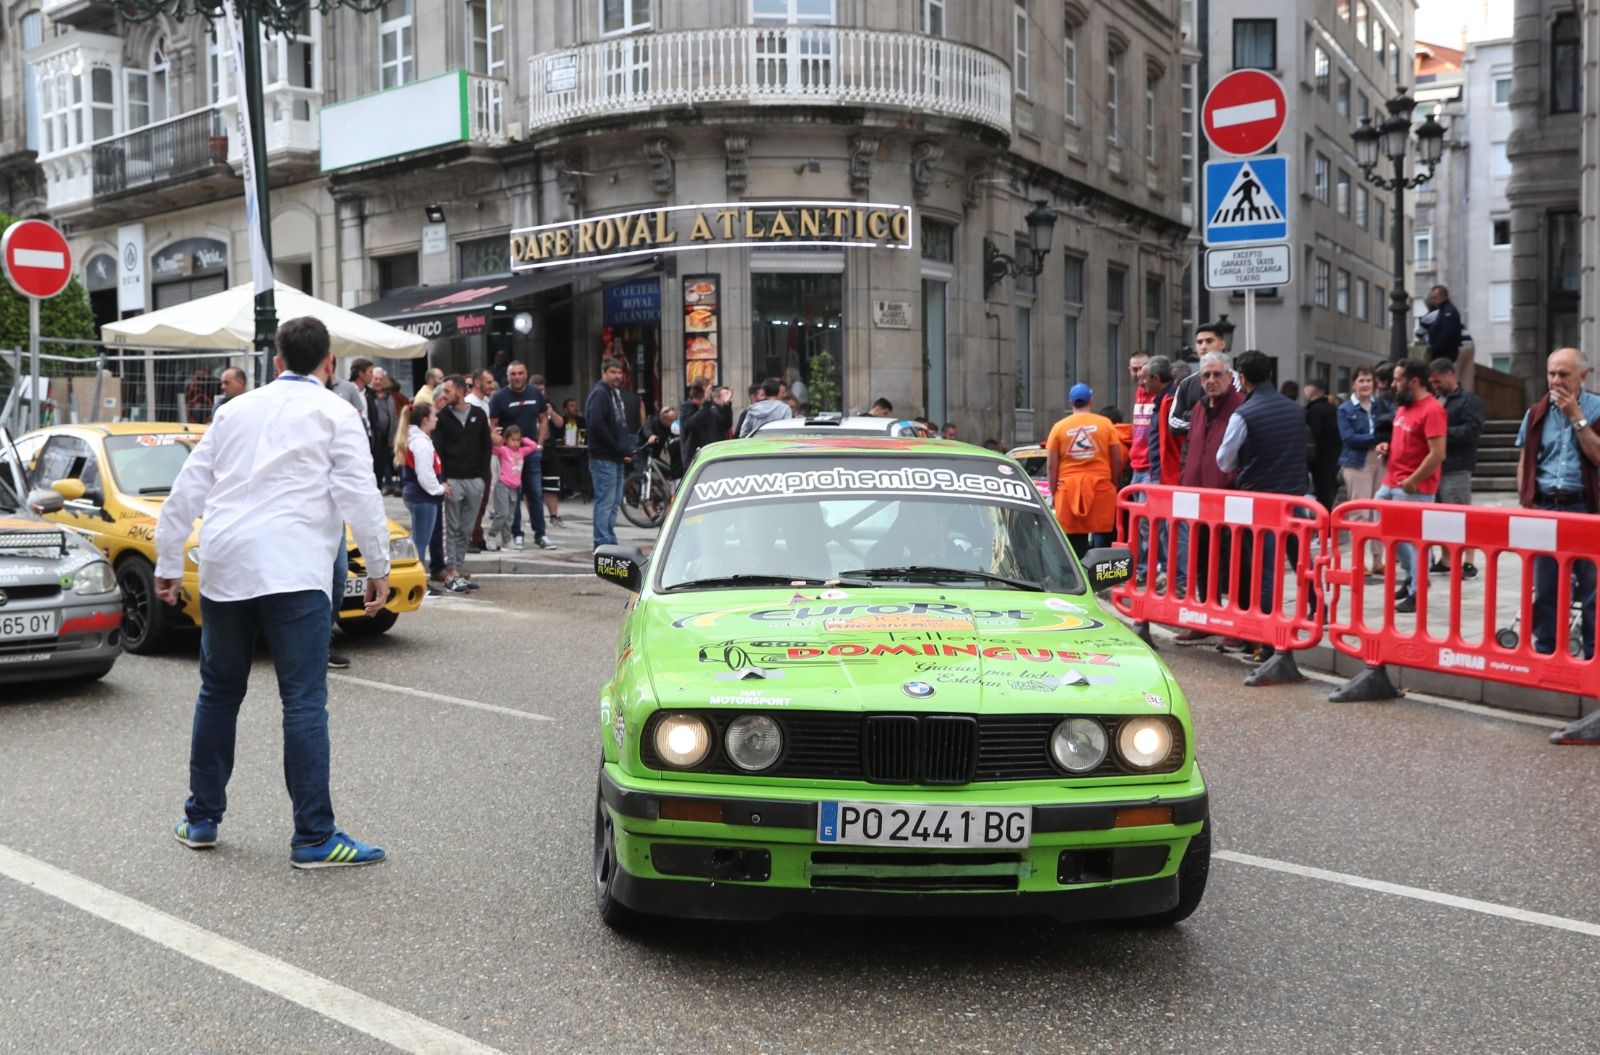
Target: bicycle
<point x="646" y="491"/>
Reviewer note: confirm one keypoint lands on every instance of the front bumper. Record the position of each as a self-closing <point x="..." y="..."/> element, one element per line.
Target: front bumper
<point x="408" y="585"/>
<point x="763" y="859"/>
<point x="90" y="641"/>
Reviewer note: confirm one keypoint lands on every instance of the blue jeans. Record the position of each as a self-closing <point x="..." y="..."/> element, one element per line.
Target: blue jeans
<point x="1142" y="547"/>
<point x="341" y="573"/>
<point x="424" y="518"/>
<point x="1405" y="550"/>
<point x="436" y="546"/>
<point x="295" y="627"/>
<point x="1546" y="576"/>
<point x="607" y="478"/>
<point x="533" y="491"/>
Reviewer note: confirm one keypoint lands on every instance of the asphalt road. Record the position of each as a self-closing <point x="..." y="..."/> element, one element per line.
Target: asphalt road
<point x="479" y="932"/>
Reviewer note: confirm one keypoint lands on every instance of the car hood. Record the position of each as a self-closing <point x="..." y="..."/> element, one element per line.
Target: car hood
<point x="878" y="649"/>
<point x="34" y="552"/>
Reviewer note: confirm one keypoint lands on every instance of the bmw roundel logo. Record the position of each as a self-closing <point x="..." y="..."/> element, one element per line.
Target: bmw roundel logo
<point x="919" y="690"/>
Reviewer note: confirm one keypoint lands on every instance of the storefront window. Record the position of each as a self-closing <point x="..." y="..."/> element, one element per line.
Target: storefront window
<point x="797" y="325"/>
<point x="485" y="256"/>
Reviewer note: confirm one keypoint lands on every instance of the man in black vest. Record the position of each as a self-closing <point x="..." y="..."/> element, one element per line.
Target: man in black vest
<point x="1266" y="444"/>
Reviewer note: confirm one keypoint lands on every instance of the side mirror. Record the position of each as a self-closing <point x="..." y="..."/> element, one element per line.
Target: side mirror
<point x="621" y="566"/>
<point x="43" y="502"/>
<point x="69" y="489"/>
<point x="1108" y="566"/>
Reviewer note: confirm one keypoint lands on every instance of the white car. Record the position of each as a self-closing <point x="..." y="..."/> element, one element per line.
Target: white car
<point x="840" y="425"/>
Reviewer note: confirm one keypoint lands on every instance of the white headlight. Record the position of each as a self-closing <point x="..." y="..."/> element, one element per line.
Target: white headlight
<point x="1144" y="742"/>
<point x="1079" y="744"/>
<point x="682" y="740"/>
<point x="754" y="742"/>
<point x="402" y="549"/>
<point x="94" y="578"/>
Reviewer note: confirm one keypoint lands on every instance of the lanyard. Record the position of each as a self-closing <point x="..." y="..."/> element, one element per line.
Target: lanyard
<point x="286" y="376"/>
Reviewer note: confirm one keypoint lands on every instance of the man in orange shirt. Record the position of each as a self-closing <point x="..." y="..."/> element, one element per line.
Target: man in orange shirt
<point x="1085" y="458"/>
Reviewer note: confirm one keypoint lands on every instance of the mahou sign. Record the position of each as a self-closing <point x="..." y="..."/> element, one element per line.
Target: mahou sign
<point x="646" y="232"/>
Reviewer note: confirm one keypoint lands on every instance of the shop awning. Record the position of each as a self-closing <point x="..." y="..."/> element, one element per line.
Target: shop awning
<point x="464" y="309"/>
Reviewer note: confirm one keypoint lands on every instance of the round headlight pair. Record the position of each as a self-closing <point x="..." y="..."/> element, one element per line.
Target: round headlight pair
<point x="753" y="742"/>
<point x="94" y="578"/>
<point x="1079" y="745"/>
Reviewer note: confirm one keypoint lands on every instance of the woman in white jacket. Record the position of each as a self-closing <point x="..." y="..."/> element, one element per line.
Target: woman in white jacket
<point x="420" y="486"/>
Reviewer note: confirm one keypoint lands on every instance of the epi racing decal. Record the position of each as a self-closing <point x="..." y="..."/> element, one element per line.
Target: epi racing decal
<point x="864" y="481"/>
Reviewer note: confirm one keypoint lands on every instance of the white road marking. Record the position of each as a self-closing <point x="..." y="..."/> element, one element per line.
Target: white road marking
<point x="395" y="1027"/>
<point x="38" y="258"/>
<point x="1488" y="908"/>
<point x="532" y="575"/>
<point x="439" y="697"/>
<point x="1244" y="113"/>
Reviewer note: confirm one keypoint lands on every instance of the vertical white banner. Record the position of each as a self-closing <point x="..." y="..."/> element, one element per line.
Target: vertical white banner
<point x="260" y="265"/>
<point x="130" y="268"/>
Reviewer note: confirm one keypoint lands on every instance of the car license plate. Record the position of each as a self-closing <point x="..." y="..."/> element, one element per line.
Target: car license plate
<point x="915" y="824"/>
<point x="28" y="624"/>
<point x="355" y="587"/>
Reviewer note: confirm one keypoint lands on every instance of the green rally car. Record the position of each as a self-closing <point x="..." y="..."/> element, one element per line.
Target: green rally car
<point x="867" y="675"/>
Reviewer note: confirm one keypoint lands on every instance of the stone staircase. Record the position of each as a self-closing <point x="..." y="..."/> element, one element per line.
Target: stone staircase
<point x="1497" y="458"/>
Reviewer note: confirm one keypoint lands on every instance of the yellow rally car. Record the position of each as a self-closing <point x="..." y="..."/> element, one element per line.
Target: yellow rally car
<point x="114" y="477"/>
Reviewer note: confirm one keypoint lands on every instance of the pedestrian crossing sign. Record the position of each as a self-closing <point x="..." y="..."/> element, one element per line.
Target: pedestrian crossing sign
<point x="1247" y="201"/>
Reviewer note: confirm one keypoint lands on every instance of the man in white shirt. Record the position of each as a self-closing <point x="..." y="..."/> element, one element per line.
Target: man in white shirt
<point x="276" y="477"/>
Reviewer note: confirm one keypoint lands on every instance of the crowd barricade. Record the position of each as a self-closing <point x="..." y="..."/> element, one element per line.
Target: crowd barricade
<point x="1449" y="632"/>
<point x="1238" y="564"/>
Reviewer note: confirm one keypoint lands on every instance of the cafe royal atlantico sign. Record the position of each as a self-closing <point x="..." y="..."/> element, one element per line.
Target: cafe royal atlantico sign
<point x="673" y="229"/>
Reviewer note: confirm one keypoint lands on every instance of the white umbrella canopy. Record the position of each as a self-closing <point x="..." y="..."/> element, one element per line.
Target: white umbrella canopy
<point x="226" y="321"/>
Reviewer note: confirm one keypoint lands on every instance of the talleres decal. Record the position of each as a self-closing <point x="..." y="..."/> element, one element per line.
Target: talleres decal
<point x="839" y="480"/>
<point x="913" y="616"/>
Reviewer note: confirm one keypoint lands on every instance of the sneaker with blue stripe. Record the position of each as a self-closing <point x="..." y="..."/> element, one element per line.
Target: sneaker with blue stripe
<point x="197" y="835"/>
<point x="338" y="851"/>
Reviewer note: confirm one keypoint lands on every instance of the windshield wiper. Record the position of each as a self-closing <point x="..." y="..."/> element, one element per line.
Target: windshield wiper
<point x="933" y="571"/>
<point x="156" y="490"/>
<point x="758" y="579"/>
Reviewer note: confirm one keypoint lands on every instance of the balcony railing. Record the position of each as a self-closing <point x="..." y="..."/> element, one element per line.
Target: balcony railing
<point x="770" y="65"/>
<point x="175" y="147"/>
<point x="455" y="107"/>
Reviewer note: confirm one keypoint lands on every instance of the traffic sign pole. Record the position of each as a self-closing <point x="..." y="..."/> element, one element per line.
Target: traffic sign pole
<point x="33" y="361"/>
<point x="1250" y="321"/>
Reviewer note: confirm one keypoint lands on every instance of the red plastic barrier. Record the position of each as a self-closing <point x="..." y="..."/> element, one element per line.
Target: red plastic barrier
<point x="1466" y="645"/>
<point x="1218" y="544"/>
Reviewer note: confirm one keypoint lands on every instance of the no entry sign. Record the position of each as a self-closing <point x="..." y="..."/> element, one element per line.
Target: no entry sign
<point x="1244" y="112"/>
<point x="36" y="259"/>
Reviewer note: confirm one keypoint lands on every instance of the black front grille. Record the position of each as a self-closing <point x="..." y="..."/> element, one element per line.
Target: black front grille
<point x="926" y="870"/>
<point x="32" y="592"/>
<point x="889" y="749"/>
<point x="911" y="749"/>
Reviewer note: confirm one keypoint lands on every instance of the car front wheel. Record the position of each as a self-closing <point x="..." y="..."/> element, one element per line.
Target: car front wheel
<point x="370" y="626"/>
<point x="147" y="623"/>
<point x="613" y="913"/>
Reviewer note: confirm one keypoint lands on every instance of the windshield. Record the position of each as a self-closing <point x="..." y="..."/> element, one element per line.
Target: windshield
<point x="914" y="521"/>
<point x="148" y="464"/>
<point x="11" y="489"/>
<point x="1036" y="463"/>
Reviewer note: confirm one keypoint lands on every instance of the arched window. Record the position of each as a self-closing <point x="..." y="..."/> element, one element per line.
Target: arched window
<point x="160" y="77"/>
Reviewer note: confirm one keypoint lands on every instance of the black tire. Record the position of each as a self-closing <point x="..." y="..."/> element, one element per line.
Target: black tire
<point x="634" y="499"/>
<point x="372" y="625"/>
<point x="1192" y="872"/>
<point x="613" y="913"/>
<point x="148" y="626"/>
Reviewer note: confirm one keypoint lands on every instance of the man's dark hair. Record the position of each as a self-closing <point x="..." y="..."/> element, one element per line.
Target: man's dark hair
<point x="884" y="403"/>
<point x="770" y="387"/>
<point x="1160" y="368"/>
<point x="697" y="391"/>
<point x="516" y="362"/>
<point x="1413" y="370"/>
<point x="1254" y="367"/>
<point x="359" y="367"/>
<point x="1111" y="414"/>
<point x="1384" y="373"/>
<point x="1362" y="370"/>
<point x="304" y="344"/>
<point x="754" y="390"/>
<point x="1442" y="291"/>
<point x="481" y="374"/>
<point x="1290" y="390"/>
<point x="1442" y="365"/>
<point x="612" y="362"/>
<point x="1314" y="391"/>
<point x="1215" y="329"/>
<point x="459" y="382"/>
<point x="230" y="370"/>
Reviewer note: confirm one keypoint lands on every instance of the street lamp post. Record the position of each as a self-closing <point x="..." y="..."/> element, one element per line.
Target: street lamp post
<point x="1392" y="138"/>
<point x="273" y="16"/>
<point x="998" y="266"/>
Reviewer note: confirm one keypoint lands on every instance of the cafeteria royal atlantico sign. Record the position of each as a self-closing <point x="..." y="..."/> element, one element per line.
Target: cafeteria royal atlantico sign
<point x="675" y="228"/>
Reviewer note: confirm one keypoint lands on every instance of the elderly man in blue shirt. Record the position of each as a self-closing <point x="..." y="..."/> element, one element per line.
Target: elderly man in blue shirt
<point x="1560" y="471"/>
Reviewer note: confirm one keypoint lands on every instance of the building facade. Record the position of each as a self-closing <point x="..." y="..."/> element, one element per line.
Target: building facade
<point x="1461" y="238"/>
<point x="863" y="173"/>
<point x="1339" y="60"/>
<point x="1553" y="152"/>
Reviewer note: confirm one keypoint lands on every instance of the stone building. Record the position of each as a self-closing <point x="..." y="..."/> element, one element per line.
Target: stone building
<point x="1340" y="60"/>
<point x="407" y="146"/>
